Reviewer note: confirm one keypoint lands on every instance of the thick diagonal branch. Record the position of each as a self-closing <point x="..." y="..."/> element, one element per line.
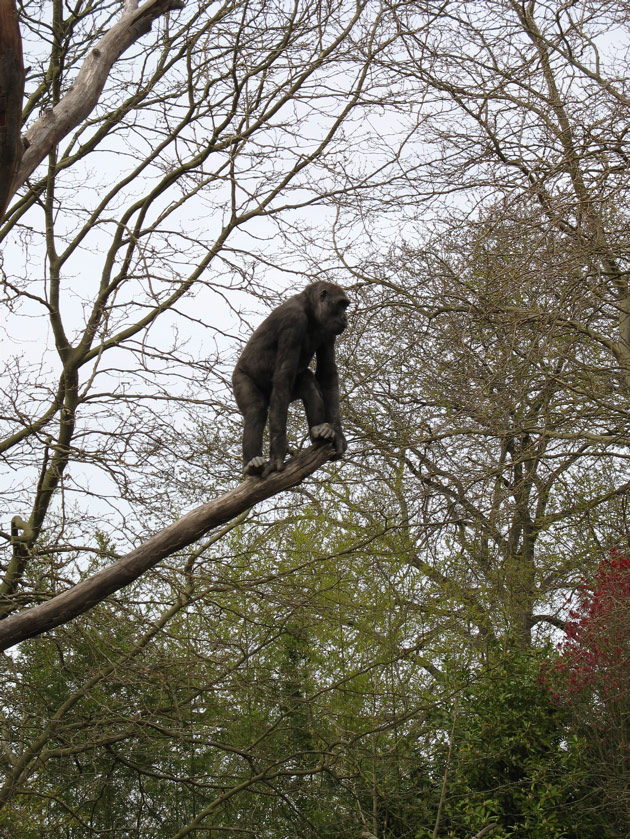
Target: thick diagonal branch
<point x="191" y="527"/>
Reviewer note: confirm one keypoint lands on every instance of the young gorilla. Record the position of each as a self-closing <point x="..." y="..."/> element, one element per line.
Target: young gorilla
<point x="273" y="371"/>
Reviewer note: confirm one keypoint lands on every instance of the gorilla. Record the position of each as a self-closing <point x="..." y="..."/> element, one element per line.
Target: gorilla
<point x="273" y="371"/>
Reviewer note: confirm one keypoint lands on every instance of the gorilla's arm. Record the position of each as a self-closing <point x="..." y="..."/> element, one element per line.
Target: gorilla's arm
<point x="328" y="378"/>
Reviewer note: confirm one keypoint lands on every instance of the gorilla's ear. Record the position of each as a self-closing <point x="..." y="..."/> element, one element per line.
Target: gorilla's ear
<point x="323" y="293"/>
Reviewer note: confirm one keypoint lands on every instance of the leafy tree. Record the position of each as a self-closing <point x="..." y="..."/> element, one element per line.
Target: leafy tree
<point x="511" y="762"/>
<point x="267" y="685"/>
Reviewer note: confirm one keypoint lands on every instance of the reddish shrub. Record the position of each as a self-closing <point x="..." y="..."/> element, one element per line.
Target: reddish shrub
<point x="591" y="678"/>
<point x="595" y="655"/>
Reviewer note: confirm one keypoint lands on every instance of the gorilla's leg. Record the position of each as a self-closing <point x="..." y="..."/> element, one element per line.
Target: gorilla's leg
<point x="253" y="404"/>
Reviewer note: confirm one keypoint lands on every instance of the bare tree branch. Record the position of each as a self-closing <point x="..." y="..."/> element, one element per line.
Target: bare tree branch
<point x="81" y="597"/>
<point x="82" y="97"/>
<point x="485" y="830"/>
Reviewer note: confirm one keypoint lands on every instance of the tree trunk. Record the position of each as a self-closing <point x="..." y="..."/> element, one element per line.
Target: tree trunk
<point x="11" y="94"/>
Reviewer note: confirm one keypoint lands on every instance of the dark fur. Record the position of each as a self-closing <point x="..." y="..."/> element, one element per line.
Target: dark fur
<point x="273" y="371"/>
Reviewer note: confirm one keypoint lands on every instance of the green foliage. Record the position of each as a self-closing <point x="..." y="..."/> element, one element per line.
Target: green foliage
<point x="514" y="762"/>
<point x="311" y="686"/>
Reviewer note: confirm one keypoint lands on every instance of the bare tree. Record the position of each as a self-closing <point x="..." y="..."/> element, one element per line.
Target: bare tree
<point x="491" y="425"/>
<point x="531" y="101"/>
<point x="132" y="252"/>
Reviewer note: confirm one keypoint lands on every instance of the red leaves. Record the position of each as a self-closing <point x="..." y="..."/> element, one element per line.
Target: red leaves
<point x="596" y="651"/>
